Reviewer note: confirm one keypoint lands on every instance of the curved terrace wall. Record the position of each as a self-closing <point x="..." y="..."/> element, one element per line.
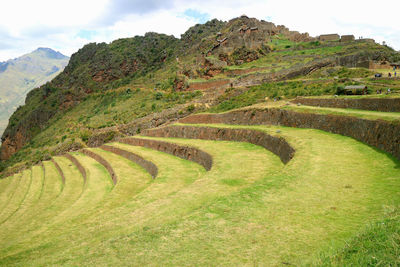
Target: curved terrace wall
<point x="374" y="104"/>
<point x="103" y="162"/>
<point x="149" y="166"/>
<point x="276" y="145"/>
<point x="377" y="133"/>
<point x="78" y="165"/>
<point x="184" y="152"/>
<point x="59" y="170"/>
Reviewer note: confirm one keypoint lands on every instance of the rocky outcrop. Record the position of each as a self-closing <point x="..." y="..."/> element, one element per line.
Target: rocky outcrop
<point x="97" y="139"/>
<point x="184" y="152"/>
<point x="374" y="104"/>
<point x="149" y="166"/>
<point x="276" y="145"/>
<point x="383" y="135"/>
<point x="103" y="162"/>
<point x="252" y="34"/>
<point x="11" y="144"/>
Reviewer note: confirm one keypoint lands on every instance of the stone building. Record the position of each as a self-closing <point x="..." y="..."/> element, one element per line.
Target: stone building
<point x="329" y="37"/>
<point x="347" y="38"/>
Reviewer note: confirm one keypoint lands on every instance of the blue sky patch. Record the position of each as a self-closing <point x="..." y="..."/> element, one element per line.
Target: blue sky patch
<point x="86" y="34"/>
<point x="197" y="15"/>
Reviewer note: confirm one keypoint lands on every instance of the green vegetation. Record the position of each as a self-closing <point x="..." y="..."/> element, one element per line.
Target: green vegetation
<point x="365" y="114"/>
<point x="275" y="90"/>
<point x="98" y="111"/>
<point x="96" y="68"/>
<point x="273" y="213"/>
<point x="69" y="117"/>
<point x="376" y="245"/>
<point x="333" y="207"/>
<point x="106" y="85"/>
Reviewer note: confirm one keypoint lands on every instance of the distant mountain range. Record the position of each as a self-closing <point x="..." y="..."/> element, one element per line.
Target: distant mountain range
<point x="20" y="75"/>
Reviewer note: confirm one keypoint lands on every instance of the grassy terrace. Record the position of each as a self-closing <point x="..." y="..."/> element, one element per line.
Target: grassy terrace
<point x="392" y="95"/>
<point x="249" y="209"/>
<point x="365" y="114"/>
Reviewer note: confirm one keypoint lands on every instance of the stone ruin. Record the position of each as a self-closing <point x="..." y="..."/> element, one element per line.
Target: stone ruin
<point x="251" y="34"/>
<point x="329" y="37"/>
<point x="334" y="37"/>
<point x="347" y="38"/>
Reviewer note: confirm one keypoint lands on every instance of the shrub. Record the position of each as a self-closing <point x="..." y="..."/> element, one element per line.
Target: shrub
<point x="190" y="108"/>
<point x="84" y="135"/>
<point x="158" y="96"/>
<point x="340" y="90"/>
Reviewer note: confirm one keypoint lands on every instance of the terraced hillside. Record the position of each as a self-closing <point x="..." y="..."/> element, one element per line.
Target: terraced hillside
<point x="215" y="189"/>
<point x="131" y="84"/>
<point x="234" y="145"/>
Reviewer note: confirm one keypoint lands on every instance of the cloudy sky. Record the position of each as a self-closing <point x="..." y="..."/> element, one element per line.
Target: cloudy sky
<point x="66" y="25"/>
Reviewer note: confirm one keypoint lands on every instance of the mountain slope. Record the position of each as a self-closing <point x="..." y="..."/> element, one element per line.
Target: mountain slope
<point x="121" y="88"/>
<point x="19" y="76"/>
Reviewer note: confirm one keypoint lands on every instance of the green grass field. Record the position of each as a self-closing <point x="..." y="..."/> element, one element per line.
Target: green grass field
<point x="250" y="209"/>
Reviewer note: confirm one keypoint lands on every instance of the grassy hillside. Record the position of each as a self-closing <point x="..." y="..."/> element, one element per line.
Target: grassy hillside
<point x="19" y="76"/>
<point x="265" y="213"/>
<point x="157" y="62"/>
<point x="301" y="197"/>
<point x="57" y="120"/>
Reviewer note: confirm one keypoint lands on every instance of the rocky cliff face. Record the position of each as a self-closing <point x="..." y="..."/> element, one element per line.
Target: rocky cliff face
<point x="251" y="34"/>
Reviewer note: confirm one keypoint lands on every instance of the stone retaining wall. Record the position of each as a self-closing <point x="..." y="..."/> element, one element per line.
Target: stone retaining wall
<point x="103" y="162"/>
<point x="245" y="71"/>
<point x="375" y="104"/>
<point x="298" y="70"/>
<point x="276" y="145"/>
<point x="381" y="134"/>
<point x="209" y="85"/>
<point x="149" y="166"/>
<point x="78" y="165"/>
<point x="59" y="170"/>
<point x="184" y="152"/>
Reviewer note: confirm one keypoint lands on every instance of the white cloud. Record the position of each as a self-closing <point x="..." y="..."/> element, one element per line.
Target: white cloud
<point x="67" y="25"/>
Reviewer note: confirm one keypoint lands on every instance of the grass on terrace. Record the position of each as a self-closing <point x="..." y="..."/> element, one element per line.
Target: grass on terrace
<point x="324" y="87"/>
<point x="249" y="209"/>
<point x="365" y="114"/>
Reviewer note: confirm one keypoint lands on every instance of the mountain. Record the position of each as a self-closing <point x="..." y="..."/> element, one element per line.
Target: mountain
<point x="121" y="88"/>
<point x="20" y="75"/>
